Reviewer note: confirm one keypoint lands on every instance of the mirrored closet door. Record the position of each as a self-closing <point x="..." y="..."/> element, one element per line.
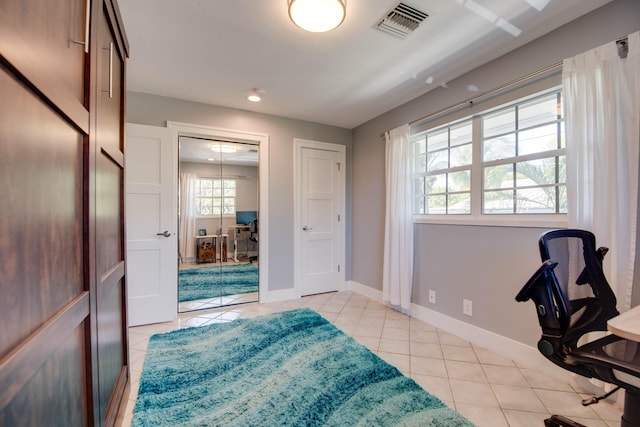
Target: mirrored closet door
<point x="218" y="223"/>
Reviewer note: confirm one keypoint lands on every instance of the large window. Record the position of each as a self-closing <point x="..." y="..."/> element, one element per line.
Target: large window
<point x="509" y="160"/>
<point x="215" y="196"/>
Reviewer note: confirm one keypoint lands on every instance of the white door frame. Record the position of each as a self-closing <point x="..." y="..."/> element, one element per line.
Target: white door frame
<point x="298" y="145"/>
<point x="193" y="130"/>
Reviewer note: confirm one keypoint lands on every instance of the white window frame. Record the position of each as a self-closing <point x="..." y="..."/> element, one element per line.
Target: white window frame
<point x="476" y="217"/>
<point x="235" y="197"/>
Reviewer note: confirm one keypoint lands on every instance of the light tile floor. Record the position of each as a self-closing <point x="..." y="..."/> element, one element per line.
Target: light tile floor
<point x="488" y="389"/>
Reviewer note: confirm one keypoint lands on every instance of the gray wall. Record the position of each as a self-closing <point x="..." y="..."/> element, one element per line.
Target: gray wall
<point x="156" y="110"/>
<point x="485" y="264"/>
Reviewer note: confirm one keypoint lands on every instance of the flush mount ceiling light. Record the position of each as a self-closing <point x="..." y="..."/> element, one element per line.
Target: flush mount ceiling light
<point x="254" y="96"/>
<point x="317" y="16"/>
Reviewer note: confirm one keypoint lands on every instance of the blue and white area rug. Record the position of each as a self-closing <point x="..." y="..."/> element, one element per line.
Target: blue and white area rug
<point x="292" y="368"/>
<point x="217" y="281"/>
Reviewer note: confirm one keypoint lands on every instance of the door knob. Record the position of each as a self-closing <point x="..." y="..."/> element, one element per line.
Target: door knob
<point x="305" y="228"/>
<point x="165" y="233"/>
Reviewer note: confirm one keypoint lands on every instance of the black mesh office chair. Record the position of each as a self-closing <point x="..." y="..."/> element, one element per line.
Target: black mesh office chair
<point x="567" y="310"/>
<point x="253" y="237"/>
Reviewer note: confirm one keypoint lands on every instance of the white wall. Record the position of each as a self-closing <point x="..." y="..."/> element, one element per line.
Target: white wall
<point x="485" y="264"/>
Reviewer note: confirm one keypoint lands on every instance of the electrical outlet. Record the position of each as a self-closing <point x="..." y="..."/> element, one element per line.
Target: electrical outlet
<point x="467" y="307"/>
<point x="432" y="296"/>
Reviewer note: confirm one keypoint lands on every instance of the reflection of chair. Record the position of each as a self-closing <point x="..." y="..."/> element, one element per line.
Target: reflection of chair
<point x="254" y="237"/>
<point x="567" y="310"/>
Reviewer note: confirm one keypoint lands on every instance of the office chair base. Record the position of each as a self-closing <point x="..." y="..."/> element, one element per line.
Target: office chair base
<point x="560" y="421"/>
<point x="631" y="414"/>
<point x="596" y="399"/>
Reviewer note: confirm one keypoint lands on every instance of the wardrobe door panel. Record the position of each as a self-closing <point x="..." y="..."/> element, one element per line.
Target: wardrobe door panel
<point x="63" y="341"/>
<point x="109" y="221"/>
<point x="56" y="394"/>
<point x="110" y="280"/>
<point x="41" y="217"/>
<point x="50" y="32"/>
<point x="44" y="303"/>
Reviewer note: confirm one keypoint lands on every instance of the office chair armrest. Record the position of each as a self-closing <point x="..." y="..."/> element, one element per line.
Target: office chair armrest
<point x="538" y="278"/>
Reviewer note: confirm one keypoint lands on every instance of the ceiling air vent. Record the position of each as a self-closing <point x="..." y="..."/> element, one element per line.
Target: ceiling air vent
<point x="402" y="20"/>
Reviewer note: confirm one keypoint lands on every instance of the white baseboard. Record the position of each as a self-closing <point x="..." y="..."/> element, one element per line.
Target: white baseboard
<point x="277" y="296"/>
<point x="365" y="290"/>
<point x="521" y="353"/>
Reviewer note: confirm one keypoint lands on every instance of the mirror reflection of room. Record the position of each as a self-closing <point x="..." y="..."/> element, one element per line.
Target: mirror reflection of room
<point x="219" y="223"/>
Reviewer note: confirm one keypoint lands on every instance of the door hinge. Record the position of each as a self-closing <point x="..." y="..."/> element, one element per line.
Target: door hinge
<point x="338" y="166"/>
<point x="338" y="217"/>
<point x="338" y="268"/>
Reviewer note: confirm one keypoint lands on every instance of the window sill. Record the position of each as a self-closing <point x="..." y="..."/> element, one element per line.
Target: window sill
<point x="215" y="216"/>
<point x="534" y="221"/>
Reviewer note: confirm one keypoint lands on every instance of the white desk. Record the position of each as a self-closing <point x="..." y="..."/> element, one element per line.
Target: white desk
<point x="237" y="229"/>
<point x="626" y="325"/>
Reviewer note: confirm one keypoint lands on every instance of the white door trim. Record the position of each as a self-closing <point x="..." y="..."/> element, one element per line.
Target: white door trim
<point x="298" y="145"/>
<point x="194" y="130"/>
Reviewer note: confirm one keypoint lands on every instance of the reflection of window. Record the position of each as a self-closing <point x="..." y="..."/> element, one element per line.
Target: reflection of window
<point x="509" y="160"/>
<point x="215" y="196"/>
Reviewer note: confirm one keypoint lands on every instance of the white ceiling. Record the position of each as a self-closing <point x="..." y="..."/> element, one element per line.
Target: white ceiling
<point x="217" y="51"/>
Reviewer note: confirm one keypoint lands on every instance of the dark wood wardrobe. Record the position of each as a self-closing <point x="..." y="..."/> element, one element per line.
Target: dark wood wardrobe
<point x="63" y="315"/>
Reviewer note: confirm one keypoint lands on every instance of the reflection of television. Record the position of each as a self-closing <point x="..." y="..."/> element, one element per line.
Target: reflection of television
<point x="246" y="217"/>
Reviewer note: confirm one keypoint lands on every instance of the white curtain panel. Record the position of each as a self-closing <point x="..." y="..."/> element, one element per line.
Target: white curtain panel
<point x="398" y="236"/>
<point x="187" y="231"/>
<point x="602" y="115"/>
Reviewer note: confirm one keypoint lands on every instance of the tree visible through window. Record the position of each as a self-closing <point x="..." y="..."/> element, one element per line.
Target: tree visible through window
<point x="443" y="159"/>
<point x="523" y="158"/>
<point x="215" y="196"/>
<point x="516" y="153"/>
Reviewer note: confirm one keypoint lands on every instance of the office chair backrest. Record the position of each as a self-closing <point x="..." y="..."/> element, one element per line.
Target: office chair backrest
<point x="567" y="308"/>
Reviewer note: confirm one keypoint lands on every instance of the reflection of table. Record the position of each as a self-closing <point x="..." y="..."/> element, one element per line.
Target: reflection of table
<point x="237" y="229"/>
<point x="627" y="324"/>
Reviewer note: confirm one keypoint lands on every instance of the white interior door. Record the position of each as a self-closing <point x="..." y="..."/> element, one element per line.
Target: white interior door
<point x="320" y="189"/>
<point x="151" y="219"/>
